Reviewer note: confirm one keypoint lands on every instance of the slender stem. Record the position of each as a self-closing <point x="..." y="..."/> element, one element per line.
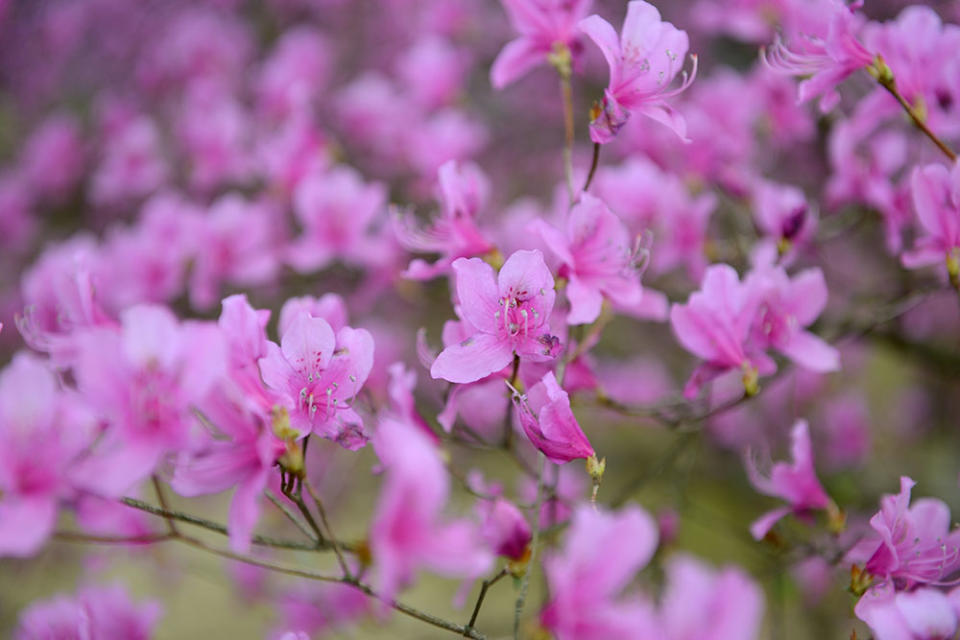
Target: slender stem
<point x="525" y="580"/>
<point x="263" y="541"/>
<point x="272" y="497"/>
<point x="284" y="569"/>
<point x="162" y="499"/>
<point x="567" y="94"/>
<point x="593" y="165"/>
<point x="294" y="492"/>
<point x="74" y="536"/>
<point x="326" y="525"/>
<point x="508" y="418"/>
<point x="891" y="86"/>
<point x="483" y="592"/>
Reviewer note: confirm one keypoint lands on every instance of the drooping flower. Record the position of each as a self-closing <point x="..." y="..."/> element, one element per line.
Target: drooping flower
<point x="794" y="482"/>
<point x="643" y="62"/>
<point x="828" y="57"/>
<point x="504" y="528"/>
<point x="508" y="313"/>
<point x="319" y="373"/>
<point x="715" y="326"/>
<point x="599" y="259"/>
<point x="544" y="27"/>
<point x="408" y="531"/>
<point x="548" y="420"/>
<point x="463" y="192"/>
<point x="603" y="552"/>
<point x="936" y="199"/>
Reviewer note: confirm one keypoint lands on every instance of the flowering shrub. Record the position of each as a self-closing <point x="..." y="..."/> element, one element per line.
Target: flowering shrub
<point x="489" y="319"/>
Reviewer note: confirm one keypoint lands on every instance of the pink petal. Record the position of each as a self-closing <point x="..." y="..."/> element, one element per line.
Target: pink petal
<point x="473" y="359"/>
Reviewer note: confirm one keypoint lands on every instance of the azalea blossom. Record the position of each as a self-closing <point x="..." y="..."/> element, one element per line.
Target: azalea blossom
<point x="548" y="421"/>
<point x="544" y="26"/>
<point x="794" y="482"/>
<point x="643" y="61"/>
<point x="936" y="200"/>
<point x="508" y="314"/>
<point x="598" y="256"/>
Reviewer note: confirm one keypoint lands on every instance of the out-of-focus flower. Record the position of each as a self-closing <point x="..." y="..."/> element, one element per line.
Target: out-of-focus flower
<point x="95" y="612"/>
<point x="936" y="199"/>
<point x="548" y="421"/>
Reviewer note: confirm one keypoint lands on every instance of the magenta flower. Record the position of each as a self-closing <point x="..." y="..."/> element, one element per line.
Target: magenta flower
<point x="698" y="598"/>
<point x="548" y="420"/>
<point x="909" y="545"/>
<point x="828" y="58"/>
<point x="923" y="614"/>
<point x="936" y="199"/>
<point x="785" y="307"/>
<point x="598" y="256"/>
<point x="715" y="326"/>
<point x="36" y="419"/>
<point x="95" y="612"/>
<point x="603" y="552"/>
<point x="408" y="531"/>
<point x="781" y="212"/>
<point x="643" y="62"/>
<point x="509" y="314"/>
<point x="463" y="192"/>
<point x="543" y="25"/>
<point x="319" y="373"/>
<point x="504" y="528"/>
<point x="794" y="482"/>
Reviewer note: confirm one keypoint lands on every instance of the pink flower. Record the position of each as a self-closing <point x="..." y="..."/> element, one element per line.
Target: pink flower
<point x="936" y="199"/>
<point x="923" y="614"/>
<point x="95" y="612"/>
<point x="38" y="421"/>
<point x="335" y="208"/>
<point x="794" y="482"/>
<point x="700" y="602"/>
<point x="53" y="158"/>
<point x="603" y="552"/>
<point x="144" y="381"/>
<point x="782" y="214"/>
<point x="132" y="166"/>
<point x="244" y="451"/>
<point x="828" y="57"/>
<point x="508" y="314"/>
<point x="291" y="78"/>
<point x="408" y="531"/>
<point x="909" y="545"/>
<point x="785" y="307"/>
<point x="318" y="374"/>
<point x="599" y="259"/>
<point x="715" y="325"/>
<point x="330" y="306"/>
<point x="543" y="25"/>
<point x="234" y="247"/>
<point x="548" y="421"/>
<point x="463" y="192"/>
<point x="643" y="62"/>
<point x="504" y="528"/>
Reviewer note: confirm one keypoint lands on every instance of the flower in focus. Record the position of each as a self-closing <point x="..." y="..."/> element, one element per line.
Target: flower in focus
<point x="508" y="314"/>
<point x="643" y="62"/>
<point x="548" y="421"/>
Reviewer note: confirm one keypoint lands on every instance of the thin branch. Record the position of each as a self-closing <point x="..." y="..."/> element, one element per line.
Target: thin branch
<point x="525" y="580"/>
<point x="76" y="536"/>
<point x="294" y="492"/>
<point x="326" y="525"/>
<point x="483" y="593"/>
<point x="594" y="163"/>
<point x="567" y="96"/>
<point x="890" y="85"/>
<point x="272" y="497"/>
<point x="209" y="525"/>
<point x="162" y="499"/>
